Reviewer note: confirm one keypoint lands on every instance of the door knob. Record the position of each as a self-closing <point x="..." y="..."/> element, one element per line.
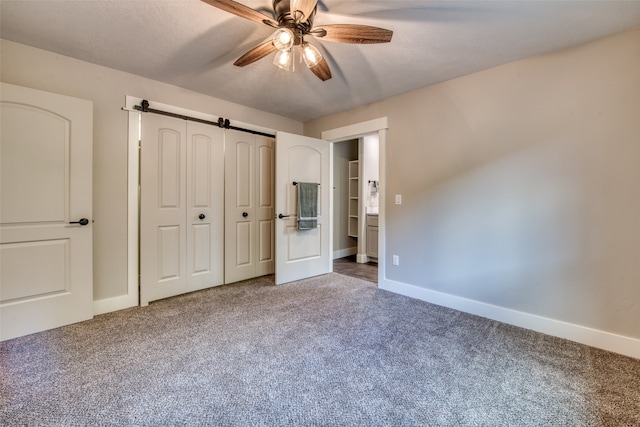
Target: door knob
<point x="244" y="214"/>
<point x="283" y="216"/>
<point x="202" y="216"/>
<point x="83" y="222"/>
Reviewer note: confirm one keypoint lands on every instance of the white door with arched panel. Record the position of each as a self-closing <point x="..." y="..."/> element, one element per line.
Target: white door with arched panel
<point x="249" y="206"/>
<point x="46" y="258"/>
<point x="181" y="207"/>
<point x="302" y="253"/>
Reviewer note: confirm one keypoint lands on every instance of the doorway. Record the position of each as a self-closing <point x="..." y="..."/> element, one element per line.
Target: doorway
<point x="355" y="200"/>
<point x="372" y="133"/>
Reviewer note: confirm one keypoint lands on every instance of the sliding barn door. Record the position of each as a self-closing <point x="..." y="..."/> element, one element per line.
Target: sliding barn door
<point x="249" y="210"/>
<point x="181" y="211"/>
<point x="46" y="276"/>
<point x="205" y="206"/>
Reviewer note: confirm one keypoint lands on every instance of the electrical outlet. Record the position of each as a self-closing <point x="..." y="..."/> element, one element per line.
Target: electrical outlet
<point x="396" y="260"/>
<point x="398" y="199"/>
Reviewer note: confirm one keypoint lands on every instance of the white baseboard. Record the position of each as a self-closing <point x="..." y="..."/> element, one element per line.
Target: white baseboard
<point x="592" y="337"/>
<point x="108" y="305"/>
<point x="341" y="253"/>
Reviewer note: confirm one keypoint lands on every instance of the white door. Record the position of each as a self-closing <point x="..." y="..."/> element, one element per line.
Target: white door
<point x="249" y="206"/>
<point x="46" y="273"/>
<point x="302" y="253"/>
<point x="205" y="206"/>
<point x="181" y="211"/>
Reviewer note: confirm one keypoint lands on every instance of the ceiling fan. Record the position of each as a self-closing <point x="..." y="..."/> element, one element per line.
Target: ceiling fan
<point x="293" y="21"/>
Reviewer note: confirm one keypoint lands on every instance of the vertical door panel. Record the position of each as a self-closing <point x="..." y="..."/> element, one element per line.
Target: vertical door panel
<point x="265" y="173"/>
<point x="46" y="279"/>
<point x="244" y="174"/>
<point x="200" y="169"/>
<point x="265" y="244"/>
<point x="202" y="253"/>
<point x="244" y="245"/>
<point x="170" y="170"/>
<point x="239" y="206"/>
<point x="249" y="206"/>
<point x="169" y="252"/>
<point x="162" y="210"/>
<point x="205" y="200"/>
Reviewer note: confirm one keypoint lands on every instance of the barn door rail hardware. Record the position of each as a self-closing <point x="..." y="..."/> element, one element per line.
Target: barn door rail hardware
<point x="221" y="123"/>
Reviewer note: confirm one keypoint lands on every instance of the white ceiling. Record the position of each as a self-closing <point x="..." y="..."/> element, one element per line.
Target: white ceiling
<point x="193" y="45"/>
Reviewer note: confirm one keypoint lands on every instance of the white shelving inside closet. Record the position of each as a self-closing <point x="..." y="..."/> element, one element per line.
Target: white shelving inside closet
<point x="354" y="206"/>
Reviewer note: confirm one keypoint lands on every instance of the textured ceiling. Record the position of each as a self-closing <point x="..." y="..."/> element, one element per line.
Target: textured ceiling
<point x="193" y="45"/>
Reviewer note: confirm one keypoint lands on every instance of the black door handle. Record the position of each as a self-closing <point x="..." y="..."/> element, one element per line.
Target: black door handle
<point x="202" y="216"/>
<point x="283" y="216"/>
<point x="244" y="214"/>
<point x="83" y="222"/>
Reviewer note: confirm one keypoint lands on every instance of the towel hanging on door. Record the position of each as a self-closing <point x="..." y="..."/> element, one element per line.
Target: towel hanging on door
<point x="307" y="205"/>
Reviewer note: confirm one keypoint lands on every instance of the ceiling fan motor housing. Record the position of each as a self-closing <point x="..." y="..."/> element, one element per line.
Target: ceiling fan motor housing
<point x="282" y="11"/>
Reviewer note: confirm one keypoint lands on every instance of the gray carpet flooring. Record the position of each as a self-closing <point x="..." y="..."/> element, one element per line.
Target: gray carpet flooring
<point x="327" y="351"/>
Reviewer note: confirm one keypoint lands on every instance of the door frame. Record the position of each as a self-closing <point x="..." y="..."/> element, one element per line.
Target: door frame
<point x="357" y="130"/>
<point x="132" y="298"/>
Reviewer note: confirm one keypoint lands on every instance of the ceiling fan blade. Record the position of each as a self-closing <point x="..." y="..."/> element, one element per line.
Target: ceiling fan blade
<point x="321" y="70"/>
<point x="242" y="11"/>
<point x="305" y="7"/>
<point x="353" y="33"/>
<point x="256" y="53"/>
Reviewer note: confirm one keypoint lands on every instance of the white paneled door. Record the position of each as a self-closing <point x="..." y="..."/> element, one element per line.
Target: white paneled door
<point x="181" y="207"/>
<point x="301" y="253"/>
<point x="249" y="206"/>
<point x="46" y="275"/>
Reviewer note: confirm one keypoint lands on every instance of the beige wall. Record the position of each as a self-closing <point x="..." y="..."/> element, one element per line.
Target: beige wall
<point x="38" y="69"/>
<point x="521" y="184"/>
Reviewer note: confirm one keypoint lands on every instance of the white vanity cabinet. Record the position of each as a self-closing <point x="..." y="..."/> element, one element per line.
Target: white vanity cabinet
<point x="372" y="236"/>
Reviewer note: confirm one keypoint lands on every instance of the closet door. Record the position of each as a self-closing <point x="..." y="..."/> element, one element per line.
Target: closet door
<point x="265" y="211"/>
<point x="205" y="206"/>
<point x="181" y="207"/>
<point x="248" y="206"/>
<point x="162" y="208"/>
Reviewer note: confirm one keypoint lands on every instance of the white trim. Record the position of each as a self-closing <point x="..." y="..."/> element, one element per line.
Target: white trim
<point x="130" y="299"/>
<point x="592" y="337"/>
<point x="355" y="130"/>
<point x="341" y="253"/>
<point x="133" y="192"/>
<point x="331" y="207"/>
<point x="379" y="125"/>
<point x="108" y="305"/>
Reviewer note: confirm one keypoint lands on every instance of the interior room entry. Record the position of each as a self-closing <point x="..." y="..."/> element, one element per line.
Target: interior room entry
<point x="181" y="207"/>
<point x="46" y="258"/>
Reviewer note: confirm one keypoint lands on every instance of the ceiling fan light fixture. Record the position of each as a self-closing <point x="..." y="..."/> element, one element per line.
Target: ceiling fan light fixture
<point x="283" y="39"/>
<point x="284" y="60"/>
<point x="311" y="55"/>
